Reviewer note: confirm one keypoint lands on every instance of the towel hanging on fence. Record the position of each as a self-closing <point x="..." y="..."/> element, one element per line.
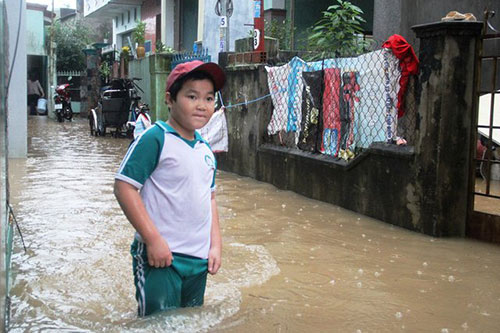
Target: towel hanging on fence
<point x="215" y="132"/>
<point x="277" y="81"/>
<point x="312" y="115"/>
<point x="408" y="62"/>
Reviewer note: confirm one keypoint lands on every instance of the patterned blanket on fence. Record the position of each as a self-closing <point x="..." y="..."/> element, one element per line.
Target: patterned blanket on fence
<point x="369" y="113"/>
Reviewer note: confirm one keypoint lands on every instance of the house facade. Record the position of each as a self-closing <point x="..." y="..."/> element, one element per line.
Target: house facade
<point x="37" y="20"/>
<point x="179" y="24"/>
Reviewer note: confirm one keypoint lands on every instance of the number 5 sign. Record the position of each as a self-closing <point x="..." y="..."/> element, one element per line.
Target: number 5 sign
<point x="223" y="21"/>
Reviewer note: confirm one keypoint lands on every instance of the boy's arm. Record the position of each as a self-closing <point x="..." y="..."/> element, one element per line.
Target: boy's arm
<point x="130" y="201"/>
<point x="215" y="253"/>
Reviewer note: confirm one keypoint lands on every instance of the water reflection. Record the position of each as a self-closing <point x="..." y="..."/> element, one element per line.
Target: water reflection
<point x="487" y="204"/>
<point x="290" y="264"/>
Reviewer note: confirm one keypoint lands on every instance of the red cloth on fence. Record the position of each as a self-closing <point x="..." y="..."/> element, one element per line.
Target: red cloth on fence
<point x="331" y="110"/>
<point x="408" y="62"/>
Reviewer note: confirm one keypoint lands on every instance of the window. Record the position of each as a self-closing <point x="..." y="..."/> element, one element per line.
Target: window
<point x="128" y="21"/>
<point x="122" y="19"/>
<point x="135" y="14"/>
<point x="116" y="21"/>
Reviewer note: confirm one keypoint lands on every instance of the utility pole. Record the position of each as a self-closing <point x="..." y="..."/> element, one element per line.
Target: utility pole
<point x="226" y="32"/>
<point x="52" y="64"/>
<point x="224" y="9"/>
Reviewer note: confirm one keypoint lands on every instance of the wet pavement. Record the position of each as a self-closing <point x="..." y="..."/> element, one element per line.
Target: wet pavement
<point x="290" y="264"/>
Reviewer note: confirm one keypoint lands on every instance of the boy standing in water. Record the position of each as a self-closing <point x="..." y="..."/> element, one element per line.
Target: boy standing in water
<point x="165" y="186"/>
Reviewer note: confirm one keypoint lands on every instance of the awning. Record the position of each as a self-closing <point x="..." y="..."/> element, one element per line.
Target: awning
<point x="111" y="8"/>
<point x="483" y="118"/>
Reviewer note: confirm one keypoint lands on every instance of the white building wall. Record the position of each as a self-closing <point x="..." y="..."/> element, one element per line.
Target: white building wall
<point x="91" y="6"/>
<point x="35" y="36"/>
<point x="167" y="20"/>
<point x="17" y="119"/>
<point x="275" y="4"/>
<point x="124" y="26"/>
<point x="242" y="14"/>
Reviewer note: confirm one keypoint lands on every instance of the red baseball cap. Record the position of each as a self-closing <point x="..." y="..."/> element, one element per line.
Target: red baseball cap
<point x="212" y="69"/>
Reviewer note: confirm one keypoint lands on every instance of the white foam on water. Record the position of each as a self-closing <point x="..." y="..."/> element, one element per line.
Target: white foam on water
<point x="247" y="265"/>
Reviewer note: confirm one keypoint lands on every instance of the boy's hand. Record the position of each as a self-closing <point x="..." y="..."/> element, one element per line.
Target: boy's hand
<point x="159" y="254"/>
<point x="214" y="260"/>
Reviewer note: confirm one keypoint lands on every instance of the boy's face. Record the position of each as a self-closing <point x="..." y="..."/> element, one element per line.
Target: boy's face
<point x="194" y="105"/>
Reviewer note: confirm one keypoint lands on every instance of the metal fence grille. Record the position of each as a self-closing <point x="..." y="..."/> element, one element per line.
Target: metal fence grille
<point x="340" y="106"/>
<point x="180" y="58"/>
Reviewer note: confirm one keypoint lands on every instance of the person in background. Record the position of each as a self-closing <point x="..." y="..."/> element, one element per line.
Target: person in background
<point x="35" y="91"/>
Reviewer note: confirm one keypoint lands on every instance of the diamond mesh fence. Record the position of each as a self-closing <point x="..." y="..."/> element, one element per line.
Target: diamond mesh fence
<point x="340" y="106"/>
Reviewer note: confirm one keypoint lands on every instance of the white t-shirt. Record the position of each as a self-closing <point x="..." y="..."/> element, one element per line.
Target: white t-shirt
<point x="176" y="179"/>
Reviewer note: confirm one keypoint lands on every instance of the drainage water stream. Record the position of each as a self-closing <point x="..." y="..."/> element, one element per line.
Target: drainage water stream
<point x="290" y="264"/>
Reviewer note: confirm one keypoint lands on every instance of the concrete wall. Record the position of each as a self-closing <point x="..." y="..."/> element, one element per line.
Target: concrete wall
<point x="398" y="16"/>
<point x="140" y="68"/>
<point x="153" y="70"/>
<point x="445" y="101"/>
<point x="243" y="14"/>
<point x="275" y="4"/>
<point x="35" y="33"/>
<point x="422" y="187"/>
<point x="159" y="68"/>
<point x="17" y="123"/>
<point x="246" y="123"/>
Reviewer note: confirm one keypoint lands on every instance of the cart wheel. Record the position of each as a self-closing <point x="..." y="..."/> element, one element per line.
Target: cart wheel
<point x="102" y="131"/>
<point x="93" y="122"/>
<point x="91" y="125"/>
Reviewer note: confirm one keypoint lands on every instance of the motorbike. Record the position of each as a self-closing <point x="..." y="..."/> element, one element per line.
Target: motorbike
<point x="62" y="103"/>
<point x="119" y="108"/>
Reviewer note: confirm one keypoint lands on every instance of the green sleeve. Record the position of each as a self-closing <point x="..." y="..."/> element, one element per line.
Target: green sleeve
<point x="142" y="157"/>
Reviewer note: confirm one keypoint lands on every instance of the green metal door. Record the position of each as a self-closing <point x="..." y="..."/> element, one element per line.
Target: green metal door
<point x="189" y="28"/>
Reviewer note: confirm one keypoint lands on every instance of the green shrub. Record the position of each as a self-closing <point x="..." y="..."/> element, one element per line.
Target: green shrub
<point x="339" y="32"/>
<point x="281" y="30"/>
<point x="139" y="34"/>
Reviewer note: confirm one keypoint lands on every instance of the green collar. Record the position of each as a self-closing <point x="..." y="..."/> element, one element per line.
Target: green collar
<point x="169" y="129"/>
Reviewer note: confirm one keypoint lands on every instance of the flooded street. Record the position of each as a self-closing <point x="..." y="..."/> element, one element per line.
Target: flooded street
<point x="290" y="264"/>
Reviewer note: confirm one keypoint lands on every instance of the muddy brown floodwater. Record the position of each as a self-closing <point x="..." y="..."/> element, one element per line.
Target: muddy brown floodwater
<point x="290" y="264"/>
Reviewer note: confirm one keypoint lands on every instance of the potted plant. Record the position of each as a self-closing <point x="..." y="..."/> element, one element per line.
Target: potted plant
<point x="161" y="48"/>
<point x="105" y="72"/>
<point x="139" y="36"/>
<point x="124" y="58"/>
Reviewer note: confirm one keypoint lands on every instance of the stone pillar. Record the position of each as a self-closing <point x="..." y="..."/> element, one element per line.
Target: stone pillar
<point x="159" y="68"/>
<point x="91" y="83"/>
<point x="445" y="104"/>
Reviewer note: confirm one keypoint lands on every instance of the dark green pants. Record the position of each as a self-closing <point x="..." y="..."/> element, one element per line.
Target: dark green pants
<point x="182" y="284"/>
